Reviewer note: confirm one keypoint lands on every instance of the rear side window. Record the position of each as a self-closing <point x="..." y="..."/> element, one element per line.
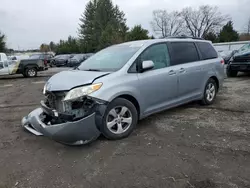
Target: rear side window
<point x="183" y="52"/>
<point x="207" y="50"/>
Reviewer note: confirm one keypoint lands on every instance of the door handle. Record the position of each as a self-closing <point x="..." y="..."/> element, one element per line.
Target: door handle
<point x="182" y="70"/>
<point x="172" y="72"/>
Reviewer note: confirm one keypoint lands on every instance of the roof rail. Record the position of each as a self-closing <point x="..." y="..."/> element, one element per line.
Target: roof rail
<point x="185" y="37"/>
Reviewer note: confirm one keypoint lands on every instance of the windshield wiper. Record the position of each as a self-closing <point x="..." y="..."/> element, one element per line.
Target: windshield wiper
<point x="76" y="68"/>
<point x="96" y="70"/>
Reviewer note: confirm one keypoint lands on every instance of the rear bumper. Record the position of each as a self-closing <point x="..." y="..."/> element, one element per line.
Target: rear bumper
<point x="77" y="132"/>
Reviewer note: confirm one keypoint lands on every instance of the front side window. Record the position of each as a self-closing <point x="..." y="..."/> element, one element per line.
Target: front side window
<point x="183" y="52"/>
<point x="1" y="65"/>
<point x="158" y="54"/>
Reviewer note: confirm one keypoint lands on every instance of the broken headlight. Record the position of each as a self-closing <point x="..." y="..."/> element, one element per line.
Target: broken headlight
<point x="82" y="91"/>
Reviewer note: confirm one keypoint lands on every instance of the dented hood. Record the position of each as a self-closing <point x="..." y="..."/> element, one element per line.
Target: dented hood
<point x="67" y="80"/>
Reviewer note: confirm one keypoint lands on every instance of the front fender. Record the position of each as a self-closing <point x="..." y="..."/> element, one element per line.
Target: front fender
<point x="109" y="94"/>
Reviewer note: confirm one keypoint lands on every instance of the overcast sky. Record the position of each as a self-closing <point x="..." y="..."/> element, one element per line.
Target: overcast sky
<point x="28" y="23"/>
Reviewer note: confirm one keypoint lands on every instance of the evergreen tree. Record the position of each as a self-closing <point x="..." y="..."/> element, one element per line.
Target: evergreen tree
<point x="102" y="24"/>
<point x="211" y="36"/>
<point x="69" y="46"/>
<point x="2" y="43"/>
<point x="52" y="46"/>
<point x="87" y="35"/>
<point x="137" y="33"/>
<point x="152" y="37"/>
<point x="228" y="34"/>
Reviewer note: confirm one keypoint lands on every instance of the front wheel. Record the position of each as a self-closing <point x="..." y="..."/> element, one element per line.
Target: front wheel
<point x="119" y="120"/>
<point x="30" y="72"/>
<point x="210" y="92"/>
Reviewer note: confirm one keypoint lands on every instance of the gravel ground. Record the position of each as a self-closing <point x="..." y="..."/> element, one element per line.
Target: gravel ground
<point x="186" y="147"/>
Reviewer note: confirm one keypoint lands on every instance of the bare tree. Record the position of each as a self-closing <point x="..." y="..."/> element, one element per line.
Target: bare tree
<point x="167" y="24"/>
<point x="202" y="21"/>
<point x="248" y="26"/>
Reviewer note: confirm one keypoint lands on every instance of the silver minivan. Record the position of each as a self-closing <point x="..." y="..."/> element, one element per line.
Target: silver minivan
<point x="109" y="92"/>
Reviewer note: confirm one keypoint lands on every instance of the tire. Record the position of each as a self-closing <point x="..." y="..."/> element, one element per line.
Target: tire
<point x="30" y="72"/>
<point x="211" y="83"/>
<point x="231" y="73"/>
<point x="121" y="126"/>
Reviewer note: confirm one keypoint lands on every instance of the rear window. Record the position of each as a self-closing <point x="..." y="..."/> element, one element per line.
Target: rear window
<point x="183" y="52"/>
<point x="35" y="56"/>
<point x="207" y="50"/>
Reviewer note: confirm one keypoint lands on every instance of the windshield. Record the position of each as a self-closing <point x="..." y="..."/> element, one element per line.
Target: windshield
<point x="37" y="56"/>
<point x="244" y="49"/>
<point x="110" y="59"/>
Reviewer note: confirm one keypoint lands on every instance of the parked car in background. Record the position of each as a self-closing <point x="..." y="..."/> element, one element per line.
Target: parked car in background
<point x="227" y="56"/>
<point x="12" y="58"/>
<point x="27" y="67"/>
<point x="52" y="61"/>
<point x="62" y="60"/>
<point x="239" y="61"/>
<point x="43" y="56"/>
<point x="113" y="89"/>
<point x="77" y="59"/>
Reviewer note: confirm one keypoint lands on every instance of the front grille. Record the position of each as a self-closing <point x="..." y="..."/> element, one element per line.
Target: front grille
<point x="79" y="108"/>
<point x="54" y="100"/>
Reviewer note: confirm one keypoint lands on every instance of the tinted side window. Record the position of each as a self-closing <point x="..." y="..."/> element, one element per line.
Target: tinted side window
<point x="158" y="54"/>
<point x="183" y="52"/>
<point x="207" y="50"/>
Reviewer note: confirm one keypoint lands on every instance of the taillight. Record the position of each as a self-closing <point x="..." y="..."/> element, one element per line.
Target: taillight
<point x="45" y="62"/>
<point x="222" y="62"/>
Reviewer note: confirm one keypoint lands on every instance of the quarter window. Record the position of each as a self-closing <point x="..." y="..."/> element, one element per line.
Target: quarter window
<point x="207" y="50"/>
<point x="158" y="54"/>
<point x="183" y="52"/>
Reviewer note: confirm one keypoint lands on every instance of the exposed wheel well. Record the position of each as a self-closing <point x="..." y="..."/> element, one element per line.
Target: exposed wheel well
<point x="28" y="67"/>
<point x="133" y="100"/>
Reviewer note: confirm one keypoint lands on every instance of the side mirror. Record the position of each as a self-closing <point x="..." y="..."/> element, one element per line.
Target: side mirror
<point x="147" y="65"/>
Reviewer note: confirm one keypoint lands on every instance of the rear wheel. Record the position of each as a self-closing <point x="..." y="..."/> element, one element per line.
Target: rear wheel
<point x="231" y="73"/>
<point x="30" y="72"/>
<point x="119" y="120"/>
<point x="210" y="92"/>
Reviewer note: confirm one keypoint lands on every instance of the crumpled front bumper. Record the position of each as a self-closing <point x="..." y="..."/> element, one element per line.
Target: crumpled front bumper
<point x="73" y="132"/>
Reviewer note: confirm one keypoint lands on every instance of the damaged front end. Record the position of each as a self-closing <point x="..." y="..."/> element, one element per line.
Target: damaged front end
<point x="73" y="122"/>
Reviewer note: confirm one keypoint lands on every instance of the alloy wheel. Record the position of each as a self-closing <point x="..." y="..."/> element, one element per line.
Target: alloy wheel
<point x="31" y="72"/>
<point x="210" y="92"/>
<point x="119" y="120"/>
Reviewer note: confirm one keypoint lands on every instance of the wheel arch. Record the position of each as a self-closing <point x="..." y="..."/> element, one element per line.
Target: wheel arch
<point x="216" y="80"/>
<point x="30" y="66"/>
<point x="133" y="100"/>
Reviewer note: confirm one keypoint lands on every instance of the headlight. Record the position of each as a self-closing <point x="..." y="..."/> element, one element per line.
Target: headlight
<point x="44" y="89"/>
<point x="82" y="91"/>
